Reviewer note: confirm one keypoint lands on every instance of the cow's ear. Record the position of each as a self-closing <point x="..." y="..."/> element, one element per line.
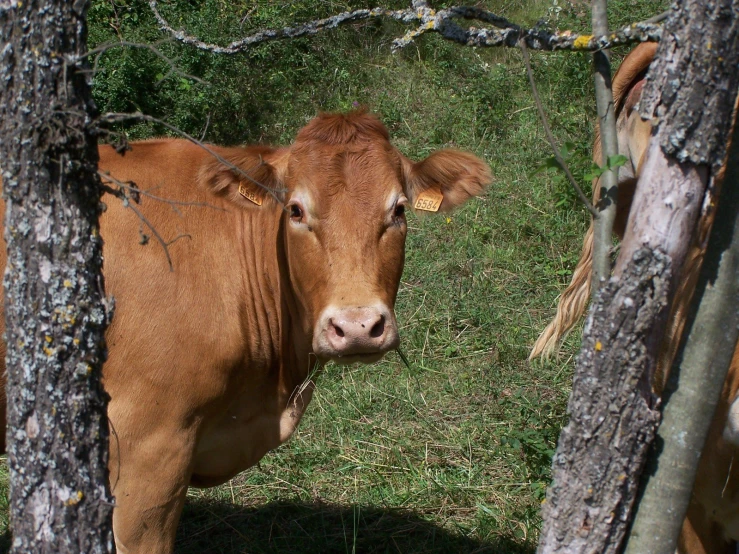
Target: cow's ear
<point x="249" y="178"/>
<point x="444" y="180"/>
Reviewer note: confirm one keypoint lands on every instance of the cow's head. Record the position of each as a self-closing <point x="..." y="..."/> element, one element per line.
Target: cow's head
<point x="346" y="194"/>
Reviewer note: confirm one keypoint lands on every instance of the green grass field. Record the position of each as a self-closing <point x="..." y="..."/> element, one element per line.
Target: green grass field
<point x="451" y="455"/>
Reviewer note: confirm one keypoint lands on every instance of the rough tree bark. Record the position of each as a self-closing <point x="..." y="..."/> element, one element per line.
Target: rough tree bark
<point x="612" y="420"/>
<point x="55" y="308"/>
<point x="602" y="450"/>
<point x="695" y="383"/>
<point x="697" y="377"/>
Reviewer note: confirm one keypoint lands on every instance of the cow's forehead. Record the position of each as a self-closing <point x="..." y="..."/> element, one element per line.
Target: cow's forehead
<point x="369" y="170"/>
<point x="349" y="148"/>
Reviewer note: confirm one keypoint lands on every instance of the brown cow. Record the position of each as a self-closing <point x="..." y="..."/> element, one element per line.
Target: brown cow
<point x="209" y="365"/>
<point x="712" y="523"/>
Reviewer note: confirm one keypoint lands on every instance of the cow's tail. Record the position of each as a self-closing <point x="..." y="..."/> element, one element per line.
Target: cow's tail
<point x="572" y="303"/>
<point x="574" y="300"/>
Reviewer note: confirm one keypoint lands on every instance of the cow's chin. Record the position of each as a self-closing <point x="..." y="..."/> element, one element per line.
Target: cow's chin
<point x="326" y="355"/>
<point x="368" y="358"/>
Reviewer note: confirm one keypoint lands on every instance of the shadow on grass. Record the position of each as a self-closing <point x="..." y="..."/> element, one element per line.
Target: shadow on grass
<point x="303" y="528"/>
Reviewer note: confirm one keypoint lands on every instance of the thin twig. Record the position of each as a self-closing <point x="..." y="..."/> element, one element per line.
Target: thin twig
<point x="128" y="203"/>
<point x="205" y="130"/>
<point x="608" y="135"/>
<point x="129" y="194"/>
<point x="659" y="18"/>
<point x="309" y="28"/>
<point x="550" y="136"/>
<point x="131" y="188"/>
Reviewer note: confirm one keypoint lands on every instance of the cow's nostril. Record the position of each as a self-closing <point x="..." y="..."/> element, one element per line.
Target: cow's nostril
<point x="338" y="330"/>
<point x="378" y="329"/>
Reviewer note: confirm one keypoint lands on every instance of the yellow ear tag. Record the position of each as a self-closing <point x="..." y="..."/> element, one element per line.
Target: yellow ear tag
<point x="429" y="200"/>
<point x="250" y="195"/>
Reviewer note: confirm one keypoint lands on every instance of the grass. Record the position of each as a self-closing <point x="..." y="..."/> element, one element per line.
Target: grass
<point x="453" y="453"/>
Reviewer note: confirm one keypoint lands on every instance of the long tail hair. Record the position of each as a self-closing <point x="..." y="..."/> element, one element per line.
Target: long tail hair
<point x="574" y="299"/>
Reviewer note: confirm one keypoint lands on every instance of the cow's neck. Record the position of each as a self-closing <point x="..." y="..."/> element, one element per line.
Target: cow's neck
<point x="275" y="331"/>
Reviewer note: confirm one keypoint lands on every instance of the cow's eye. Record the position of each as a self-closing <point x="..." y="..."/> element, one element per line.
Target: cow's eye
<point x="399" y="213"/>
<point x="296" y="213"/>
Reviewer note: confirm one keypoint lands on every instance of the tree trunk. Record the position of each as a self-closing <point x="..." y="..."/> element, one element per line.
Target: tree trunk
<point x="697" y="377"/>
<point x="695" y="383"/>
<point x="55" y="308"/>
<point x="602" y="450"/>
<point x="612" y="420"/>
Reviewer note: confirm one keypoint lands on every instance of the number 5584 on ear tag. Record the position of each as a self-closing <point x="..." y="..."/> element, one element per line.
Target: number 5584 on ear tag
<point x="429" y="200"/>
<point x="250" y="194"/>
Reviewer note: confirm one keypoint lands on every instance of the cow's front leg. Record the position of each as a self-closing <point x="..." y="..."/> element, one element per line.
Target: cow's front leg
<point x="149" y="476"/>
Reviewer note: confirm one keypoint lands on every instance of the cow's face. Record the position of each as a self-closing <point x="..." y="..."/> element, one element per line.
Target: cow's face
<point x="347" y="191"/>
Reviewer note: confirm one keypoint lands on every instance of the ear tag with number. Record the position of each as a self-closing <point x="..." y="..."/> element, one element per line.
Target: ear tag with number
<point x="250" y="194"/>
<point x="429" y="200"/>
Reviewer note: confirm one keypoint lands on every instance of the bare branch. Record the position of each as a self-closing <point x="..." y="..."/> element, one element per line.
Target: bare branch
<point x="550" y="137"/>
<point x="205" y="129"/>
<point x="659" y="18"/>
<point x="134" y="191"/>
<point x="537" y="39"/>
<point x="160" y="240"/>
<point x="608" y="136"/>
<point x="441" y="21"/>
<point x="129" y="196"/>
<point x="309" y="28"/>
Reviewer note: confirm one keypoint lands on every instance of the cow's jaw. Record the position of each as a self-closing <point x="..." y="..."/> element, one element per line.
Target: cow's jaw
<point x="355" y="334"/>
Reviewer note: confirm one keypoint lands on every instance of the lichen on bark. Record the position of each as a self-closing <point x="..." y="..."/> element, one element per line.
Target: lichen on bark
<point x="693" y="80"/>
<point x="55" y="309"/>
<point x="612" y="414"/>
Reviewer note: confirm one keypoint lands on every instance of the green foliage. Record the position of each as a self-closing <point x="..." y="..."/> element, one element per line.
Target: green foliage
<point x="451" y="454"/>
<point x="612" y="163"/>
<point x="578" y="160"/>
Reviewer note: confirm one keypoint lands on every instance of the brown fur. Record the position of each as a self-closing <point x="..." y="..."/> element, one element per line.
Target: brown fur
<point x="338" y="129"/>
<point x="208" y="364"/>
<point x="712" y="521"/>
<point x="435" y="171"/>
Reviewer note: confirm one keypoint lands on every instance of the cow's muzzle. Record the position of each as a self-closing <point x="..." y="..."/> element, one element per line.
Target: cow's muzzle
<point x="357" y="334"/>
